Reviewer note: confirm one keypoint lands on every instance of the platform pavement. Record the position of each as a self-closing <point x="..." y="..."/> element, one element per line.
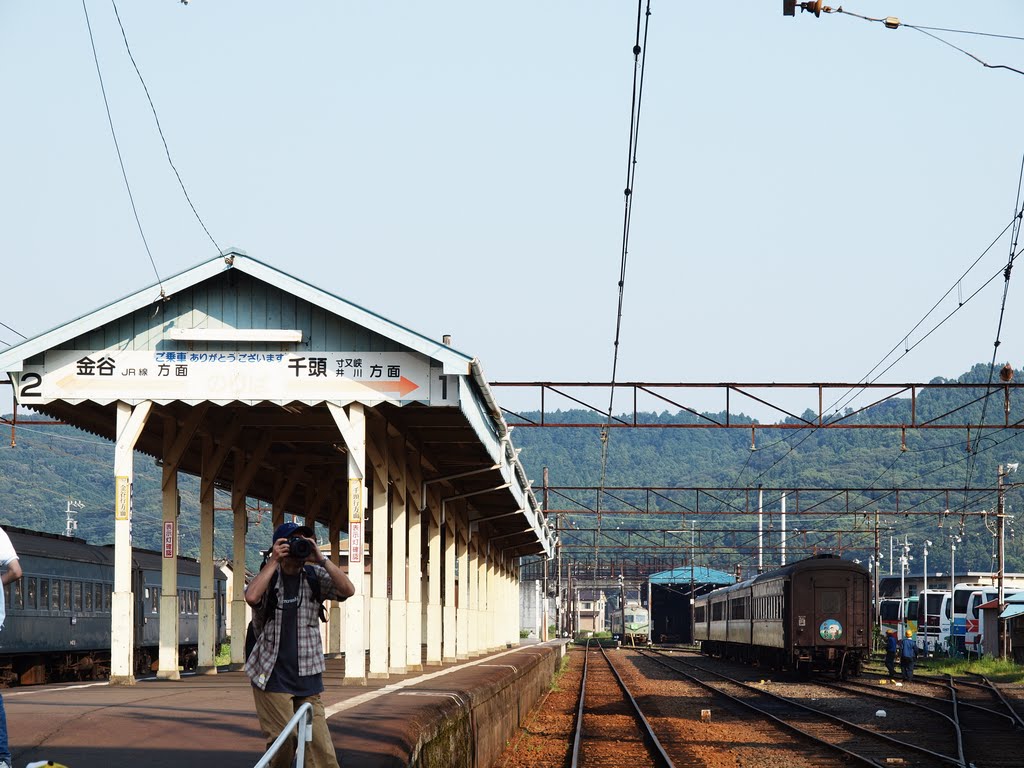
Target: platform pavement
<point x="209" y="720"/>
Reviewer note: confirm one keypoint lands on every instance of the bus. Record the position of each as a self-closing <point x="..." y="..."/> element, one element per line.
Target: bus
<point x="958" y="619"/>
<point x="898" y="615"/>
<point x="973" y="638"/>
<point x="933" y="620"/>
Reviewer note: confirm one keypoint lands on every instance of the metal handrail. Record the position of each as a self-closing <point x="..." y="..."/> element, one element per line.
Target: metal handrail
<point x="304" y="732"/>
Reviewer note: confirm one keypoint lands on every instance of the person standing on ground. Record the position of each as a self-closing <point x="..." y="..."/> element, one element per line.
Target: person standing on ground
<point x="890" y="652"/>
<point x="907" y="653"/>
<point x="12" y="572"/>
<point x="287" y="660"/>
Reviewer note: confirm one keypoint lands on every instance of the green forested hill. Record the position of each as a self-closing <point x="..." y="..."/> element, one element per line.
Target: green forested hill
<point x="50" y="465"/>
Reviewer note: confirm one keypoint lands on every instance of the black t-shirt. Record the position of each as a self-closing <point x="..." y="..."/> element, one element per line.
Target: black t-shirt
<point x="286" y="678"/>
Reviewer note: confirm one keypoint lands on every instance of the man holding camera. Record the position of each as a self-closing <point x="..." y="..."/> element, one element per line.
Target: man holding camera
<point x="287" y="662"/>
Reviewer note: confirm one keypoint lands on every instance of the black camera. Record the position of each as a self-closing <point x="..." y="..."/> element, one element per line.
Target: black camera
<point x="299" y="547"/>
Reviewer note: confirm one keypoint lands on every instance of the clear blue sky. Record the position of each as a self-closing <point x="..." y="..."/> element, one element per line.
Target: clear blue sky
<point x="806" y="189"/>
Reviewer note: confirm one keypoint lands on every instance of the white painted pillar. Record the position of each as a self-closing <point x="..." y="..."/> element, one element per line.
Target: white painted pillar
<point x="351" y="423"/>
<point x="167" y="668"/>
<point x="334" y="621"/>
<point x="240" y="527"/>
<point x="379" y="604"/>
<point x="414" y="616"/>
<point x="207" y="609"/>
<point x="476" y="583"/>
<point x="449" y="620"/>
<point x="435" y="619"/>
<point x="512" y="598"/>
<point x="130" y="423"/>
<point x="492" y="621"/>
<point x="462" y="612"/>
<point x="399" y="607"/>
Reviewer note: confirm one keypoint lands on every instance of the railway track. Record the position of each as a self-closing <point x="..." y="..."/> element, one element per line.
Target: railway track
<point x="990" y="732"/>
<point x="859" y="743"/>
<point x="611" y="729"/>
<point x="991" y="727"/>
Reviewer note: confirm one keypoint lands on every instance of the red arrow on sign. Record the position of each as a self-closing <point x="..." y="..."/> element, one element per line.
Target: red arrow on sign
<point x="403" y="386"/>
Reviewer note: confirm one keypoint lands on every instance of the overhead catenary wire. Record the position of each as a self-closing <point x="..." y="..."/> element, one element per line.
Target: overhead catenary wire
<point x="891" y="22"/>
<point x="636" y="98"/>
<point x="117" y="147"/>
<point x="1002" y="313"/>
<point x="160" y="129"/>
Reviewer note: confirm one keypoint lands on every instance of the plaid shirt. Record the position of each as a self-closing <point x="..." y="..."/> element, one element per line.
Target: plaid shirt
<point x="261" y="661"/>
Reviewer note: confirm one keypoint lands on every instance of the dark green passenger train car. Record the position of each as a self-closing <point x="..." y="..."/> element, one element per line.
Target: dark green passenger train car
<point x="58" y="614"/>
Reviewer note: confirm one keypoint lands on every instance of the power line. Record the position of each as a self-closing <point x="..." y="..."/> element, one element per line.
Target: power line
<point x="13" y="331"/>
<point x="120" y="159"/>
<point x="636" y="97"/>
<point x="161" y="130"/>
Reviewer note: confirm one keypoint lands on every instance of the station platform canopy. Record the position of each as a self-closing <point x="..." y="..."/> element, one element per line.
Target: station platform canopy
<point x="258" y="360"/>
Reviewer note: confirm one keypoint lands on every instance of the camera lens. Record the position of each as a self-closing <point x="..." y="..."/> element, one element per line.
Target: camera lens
<point x="299" y="547"/>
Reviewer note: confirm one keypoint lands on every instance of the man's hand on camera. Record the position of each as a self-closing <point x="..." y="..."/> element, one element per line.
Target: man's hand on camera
<point x="280" y="550"/>
<point x="315" y="556"/>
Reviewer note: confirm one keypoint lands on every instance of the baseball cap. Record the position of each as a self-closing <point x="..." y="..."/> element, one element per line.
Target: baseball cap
<point x="284" y="530"/>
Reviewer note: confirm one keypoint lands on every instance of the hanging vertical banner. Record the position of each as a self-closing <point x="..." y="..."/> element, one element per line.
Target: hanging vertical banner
<point x="169" y="539"/>
<point x="122" y="497"/>
<point x="355" y="543"/>
<point x="355" y="500"/>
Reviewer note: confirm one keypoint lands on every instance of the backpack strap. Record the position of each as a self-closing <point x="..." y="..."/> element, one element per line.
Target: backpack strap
<point x="314" y="586"/>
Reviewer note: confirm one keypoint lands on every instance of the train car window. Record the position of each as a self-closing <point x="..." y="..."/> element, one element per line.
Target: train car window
<point x="55" y="597"/>
<point x="106" y="597"/>
<point x="830" y="601"/>
<point x="44" y="594"/>
<point x="99" y="598"/>
<point x="155" y="604"/>
<point x="65" y="596"/>
<point x="698" y="614"/>
<point x="18" y="598"/>
<point x="181" y="602"/>
<point x="30" y="593"/>
<point x="78" y="596"/>
<point x="717" y="611"/>
<point x="88" y="598"/>
<point x="738" y="608"/>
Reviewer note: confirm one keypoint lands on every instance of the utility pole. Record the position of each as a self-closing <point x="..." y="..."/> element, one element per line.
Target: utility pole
<point x="782" y="545"/>
<point x="1001" y="541"/>
<point x="904" y="561"/>
<point x="924" y="611"/>
<point x="693" y="528"/>
<point x="760" y="530"/>
<point x="877" y="607"/>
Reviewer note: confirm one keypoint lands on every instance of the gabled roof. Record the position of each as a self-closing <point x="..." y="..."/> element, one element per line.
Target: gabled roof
<point x="462" y="437"/>
<point x="454" y="362"/>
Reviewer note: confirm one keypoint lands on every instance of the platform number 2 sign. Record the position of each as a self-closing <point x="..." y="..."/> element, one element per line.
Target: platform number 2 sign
<point x="28" y="386"/>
